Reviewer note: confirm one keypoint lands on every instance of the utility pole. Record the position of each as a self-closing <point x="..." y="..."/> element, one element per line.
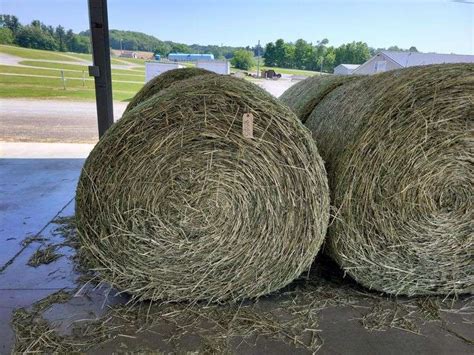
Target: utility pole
<point x="258" y="59"/>
<point x="101" y="71"/>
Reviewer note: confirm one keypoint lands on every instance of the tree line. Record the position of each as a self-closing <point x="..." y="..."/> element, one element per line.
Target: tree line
<point x="321" y="57"/>
<point x="37" y="35"/>
<point x="294" y="55"/>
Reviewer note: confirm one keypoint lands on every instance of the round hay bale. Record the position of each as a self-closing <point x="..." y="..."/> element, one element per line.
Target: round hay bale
<point x="163" y="81"/>
<point x="174" y="203"/>
<point x="303" y="96"/>
<point x="399" y="152"/>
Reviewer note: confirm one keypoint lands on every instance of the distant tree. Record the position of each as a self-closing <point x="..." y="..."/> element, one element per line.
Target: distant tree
<point x="34" y="37"/>
<point x="258" y="50"/>
<point x="329" y="59"/>
<point x="269" y="56"/>
<point x="6" y="36"/>
<point x="289" y="56"/>
<point x="352" y="53"/>
<point x="11" y="22"/>
<point x="303" y="53"/>
<point x="162" y="48"/>
<point x="413" y="49"/>
<point x="80" y="44"/>
<point x="180" y="48"/>
<point x="68" y="39"/>
<point x="280" y="52"/>
<point x="60" y="35"/>
<point x="243" y="59"/>
<point x="323" y="42"/>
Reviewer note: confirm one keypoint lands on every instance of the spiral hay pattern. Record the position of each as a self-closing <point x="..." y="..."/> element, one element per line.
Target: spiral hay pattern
<point x="175" y="204"/>
<point x="163" y="81"/>
<point x="399" y="151"/>
<point x="306" y="94"/>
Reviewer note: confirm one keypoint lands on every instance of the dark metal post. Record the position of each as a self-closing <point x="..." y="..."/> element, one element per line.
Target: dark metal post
<point x="99" y="25"/>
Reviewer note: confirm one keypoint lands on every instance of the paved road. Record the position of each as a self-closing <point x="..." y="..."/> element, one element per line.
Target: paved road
<point x="29" y="120"/>
<point x="23" y="120"/>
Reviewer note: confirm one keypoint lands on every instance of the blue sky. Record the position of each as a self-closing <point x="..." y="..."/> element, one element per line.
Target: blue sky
<point x="440" y="26"/>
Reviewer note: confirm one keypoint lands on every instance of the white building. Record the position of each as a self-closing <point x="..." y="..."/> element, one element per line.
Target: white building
<point x="153" y="69"/>
<point x="345" y="69"/>
<point x="388" y="60"/>
<point x="216" y="66"/>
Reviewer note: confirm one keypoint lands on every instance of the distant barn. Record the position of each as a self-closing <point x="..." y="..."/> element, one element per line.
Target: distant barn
<point x="185" y="57"/>
<point x="389" y="60"/>
<point x="345" y="69"/>
<point x="128" y="54"/>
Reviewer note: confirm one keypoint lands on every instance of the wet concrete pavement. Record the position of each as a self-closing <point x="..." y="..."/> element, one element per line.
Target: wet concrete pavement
<point x="36" y="191"/>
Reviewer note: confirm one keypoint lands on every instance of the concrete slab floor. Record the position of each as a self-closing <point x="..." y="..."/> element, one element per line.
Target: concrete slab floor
<point x="36" y="191"/>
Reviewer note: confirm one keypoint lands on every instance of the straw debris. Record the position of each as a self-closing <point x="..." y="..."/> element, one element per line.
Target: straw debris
<point x="43" y="256"/>
<point x="291" y="317"/>
<point x="174" y="203"/>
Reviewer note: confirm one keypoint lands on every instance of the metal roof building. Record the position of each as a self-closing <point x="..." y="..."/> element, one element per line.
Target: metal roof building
<point x="345" y="69"/>
<point x="388" y="60"/>
<point x="187" y="57"/>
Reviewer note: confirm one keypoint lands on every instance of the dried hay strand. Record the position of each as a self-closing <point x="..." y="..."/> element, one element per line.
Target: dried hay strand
<point x="398" y="148"/>
<point x="174" y="203"/>
<point x="303" y="97"/>
<point x="163" y="81"/>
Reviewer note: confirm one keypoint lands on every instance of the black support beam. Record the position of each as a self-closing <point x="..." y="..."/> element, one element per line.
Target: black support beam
<point x="101" y="71"/>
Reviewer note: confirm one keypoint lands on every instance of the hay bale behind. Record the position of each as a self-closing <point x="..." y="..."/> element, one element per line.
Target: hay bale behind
<point x="399" y="152"/>
<point x="163" y="81"/>
<point x="303" y="97"/>
<point x="174" y="203"/>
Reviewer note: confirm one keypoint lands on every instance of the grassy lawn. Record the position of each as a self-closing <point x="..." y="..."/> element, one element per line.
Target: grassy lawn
<point x="121" y="75"/>
<point x="88" y="57"/>
<point x="42" y="79"/>
<point x="78" y="67"/>
<point x="40" y="87"/>
<point x="135" y="61"/>
<point x="28" y="53"/>
<point x="133" y="75"/>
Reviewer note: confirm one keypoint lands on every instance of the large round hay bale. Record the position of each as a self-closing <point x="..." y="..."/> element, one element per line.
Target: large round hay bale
<point x="163" y="81"/>
<point x="399" y="151"/>
<point x="303" y="96"/>
<point x="174" y="203"/>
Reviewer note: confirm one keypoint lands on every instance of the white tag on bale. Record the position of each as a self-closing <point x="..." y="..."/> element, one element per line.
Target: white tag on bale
<point x="247" y="125"/>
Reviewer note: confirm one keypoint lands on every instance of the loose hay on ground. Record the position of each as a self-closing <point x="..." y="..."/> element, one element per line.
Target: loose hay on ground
<point x="398" y="149"/>
<point x="44" y="255"/>
<point x="303" y="97"/>
<point x="163" y="81"/>
<point x="291" y="317"/>
<point x="174" y="203"/>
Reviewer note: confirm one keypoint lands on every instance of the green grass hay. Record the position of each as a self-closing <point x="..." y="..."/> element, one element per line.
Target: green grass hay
<point x="174" y="203"/>
<point x="399" y="151"/>
<point x="303" y="97"/>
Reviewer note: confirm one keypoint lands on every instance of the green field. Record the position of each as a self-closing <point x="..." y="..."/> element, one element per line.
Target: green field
<point x="35" y="53"/>
<point x="40" y="76"/>
<point x="122" y="75"/>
